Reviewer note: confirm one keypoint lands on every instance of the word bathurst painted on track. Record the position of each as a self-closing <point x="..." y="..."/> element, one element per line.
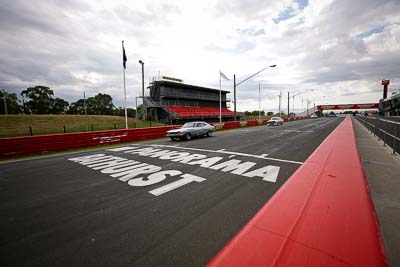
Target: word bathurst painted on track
<point x="127" y="170"/>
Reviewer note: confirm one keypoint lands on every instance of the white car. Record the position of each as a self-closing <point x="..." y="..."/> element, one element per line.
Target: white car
<point x="275" y="121"/>
<point x="313" y="116"/>
<point x="191" y="129"/>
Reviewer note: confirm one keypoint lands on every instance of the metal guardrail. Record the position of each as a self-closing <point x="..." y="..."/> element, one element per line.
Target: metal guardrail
<point x="386" y="130"/>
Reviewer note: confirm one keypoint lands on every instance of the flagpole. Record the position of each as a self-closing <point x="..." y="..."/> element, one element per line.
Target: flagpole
<point x="126" y="114"/>
<point x="220" y="109"/>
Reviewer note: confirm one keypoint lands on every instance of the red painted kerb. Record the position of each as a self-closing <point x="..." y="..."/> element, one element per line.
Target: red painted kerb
<point x="322" y="216"/>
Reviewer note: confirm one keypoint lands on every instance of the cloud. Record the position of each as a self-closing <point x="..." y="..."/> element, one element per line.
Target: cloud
<point x="342" y="48"/>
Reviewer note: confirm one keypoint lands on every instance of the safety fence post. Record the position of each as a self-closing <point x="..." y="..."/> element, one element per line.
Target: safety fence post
<point x="395" y="139"/>
<point x="384" y="134"/>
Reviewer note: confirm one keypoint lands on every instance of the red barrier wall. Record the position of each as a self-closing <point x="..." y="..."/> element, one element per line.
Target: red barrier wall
<point x="25" y="145"/>
<point x="231" y="124"/>
<point x="252" y="123"/>
<point x="17" y="146"/>
<point x="322" y="216"/>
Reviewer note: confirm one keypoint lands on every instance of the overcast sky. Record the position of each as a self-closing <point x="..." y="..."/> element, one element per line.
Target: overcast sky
<point x="342" y="49"/>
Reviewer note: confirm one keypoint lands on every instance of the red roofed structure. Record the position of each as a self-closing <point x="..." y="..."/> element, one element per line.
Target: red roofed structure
<point x="171" y="100"/>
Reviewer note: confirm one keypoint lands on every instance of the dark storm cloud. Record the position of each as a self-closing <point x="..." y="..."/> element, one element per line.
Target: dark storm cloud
<point x="63" y="44"/>
<point x="331" y="48"/>
<point x="34" y="33"/>
<point x="42" y="16"/>
<point x="76" y="45"/>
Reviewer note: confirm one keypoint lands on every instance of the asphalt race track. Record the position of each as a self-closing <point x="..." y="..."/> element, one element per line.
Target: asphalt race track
<point x="157" y="203"/>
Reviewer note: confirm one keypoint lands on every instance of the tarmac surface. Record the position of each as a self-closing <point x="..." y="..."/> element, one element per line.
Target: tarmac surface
<point x="158" y="203"/>
<point x="382" y="169"/>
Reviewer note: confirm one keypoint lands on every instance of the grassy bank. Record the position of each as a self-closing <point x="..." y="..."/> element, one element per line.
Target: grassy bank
<point x="21" y="125"/>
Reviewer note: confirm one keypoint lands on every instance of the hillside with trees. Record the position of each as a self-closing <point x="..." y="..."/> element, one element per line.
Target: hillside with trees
<point x="41" y="100"/>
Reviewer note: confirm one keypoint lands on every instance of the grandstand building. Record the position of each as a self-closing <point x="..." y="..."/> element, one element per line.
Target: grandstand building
<point x="172" y="101"/>
<point x="390" y="106"/>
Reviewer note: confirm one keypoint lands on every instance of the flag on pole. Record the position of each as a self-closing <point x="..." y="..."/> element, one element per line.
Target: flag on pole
<point x="223" y="75"/>
<point x="124" y="59"/>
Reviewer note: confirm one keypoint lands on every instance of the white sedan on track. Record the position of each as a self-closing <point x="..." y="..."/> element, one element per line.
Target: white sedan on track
<point x="191" y="129"/>
<point x="275" y="121"/>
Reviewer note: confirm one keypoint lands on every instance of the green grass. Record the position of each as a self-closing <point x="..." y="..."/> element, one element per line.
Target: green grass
<point x="18" y="125"/>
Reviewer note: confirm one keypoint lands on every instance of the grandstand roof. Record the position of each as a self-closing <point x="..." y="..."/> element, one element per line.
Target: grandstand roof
<point x="183" y="85"/>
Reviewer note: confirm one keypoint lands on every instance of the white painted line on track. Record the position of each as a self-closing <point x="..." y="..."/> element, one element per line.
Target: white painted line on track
<point x="223" y="151"/>
<point x="294" y="130"/>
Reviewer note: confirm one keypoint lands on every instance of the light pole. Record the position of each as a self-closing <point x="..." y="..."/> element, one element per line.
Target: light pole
<point x="280" y="96"/>
<point x="288" y="106"/>
<point x="84" y="107"/>
<point x="259" y="101"/>
<point x="300" y="94"/>
<point x="312" y="100"/>
<point x="237" y="84"/>
<point x="144" y="105"/>
<point x="136" y="113"/>
<point x="5" y="102"/>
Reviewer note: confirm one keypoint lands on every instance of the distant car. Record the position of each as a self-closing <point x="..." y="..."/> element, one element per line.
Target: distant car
<point x="331" y="114"/>
<point x="313" y="116"/>
<point x="190" y="130"/>
<point x="275" y="121"/>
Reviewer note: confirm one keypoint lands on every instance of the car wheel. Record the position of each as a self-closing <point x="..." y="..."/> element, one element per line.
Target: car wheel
<point x="173" y="138"/>
<point x="209" y="133"/>
<point x="188" y="136"/>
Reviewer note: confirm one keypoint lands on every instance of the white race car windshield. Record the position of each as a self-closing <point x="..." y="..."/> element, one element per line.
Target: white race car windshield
<point x="188" y="125"/>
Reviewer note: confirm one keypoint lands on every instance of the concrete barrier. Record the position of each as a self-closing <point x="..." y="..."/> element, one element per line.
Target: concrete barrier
<point x="231" y="124"/>
<point x="19" y="146"/>
<point x="322" y="216"/>
<point x="252" y="123"/>
<point x="26" y="145"/>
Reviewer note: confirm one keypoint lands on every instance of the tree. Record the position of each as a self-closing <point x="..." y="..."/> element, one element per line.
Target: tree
<point x="131" y="113"/>
<point x="40" y="99"/>
<point x="101" y="104"/>
<point x="13" y="106"/>
<point x="59" y="106"/>
<point x="77" y="107"/>
<point x="270" y="113"/>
